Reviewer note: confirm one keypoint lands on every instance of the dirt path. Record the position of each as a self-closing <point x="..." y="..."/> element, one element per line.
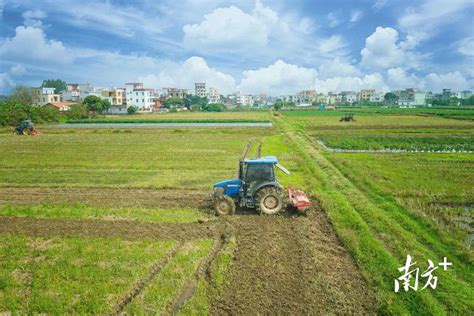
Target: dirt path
<point x="146" y="198"/>
<point x="291" y="266"/>
<point x="128" y="230"/>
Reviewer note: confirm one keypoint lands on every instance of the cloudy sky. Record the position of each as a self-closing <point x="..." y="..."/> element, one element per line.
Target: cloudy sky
<point x="264" y="46"/>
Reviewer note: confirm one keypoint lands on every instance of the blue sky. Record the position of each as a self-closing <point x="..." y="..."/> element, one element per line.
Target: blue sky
<point x="274" y="47"/>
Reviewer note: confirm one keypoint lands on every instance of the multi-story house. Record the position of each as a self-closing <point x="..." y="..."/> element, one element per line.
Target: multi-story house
<point x="376" y="97"/>
<point x="244" y="99"/>
<point x="411" y="97"/>
<point x="365" y="94"/>
<point x="42" y="96"/>
<point x="466" y="94"/>
<point x="72" y="93"/>
<point x="175" y="93"/>
<point x="307" y="96"/>
<point x="213" y="95"/>
<point x="117" y="98"/>
<point x="349" y="97"/>
<point x="200" y="89"/>
<point x="140" y="97"/>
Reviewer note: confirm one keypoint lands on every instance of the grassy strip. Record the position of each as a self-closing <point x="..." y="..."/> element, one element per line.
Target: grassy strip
<point x="403" y="143"/>
<point x="168" y="283"/>
<point x="106" y="121"/>
<point x="78" y="211"/>
<point x="70" y="275"/>
<point x="363" y="228"/>
<point x="206" y="292"/>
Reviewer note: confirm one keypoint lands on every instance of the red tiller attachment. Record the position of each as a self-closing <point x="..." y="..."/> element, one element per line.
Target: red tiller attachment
<point x="298" y="199"/>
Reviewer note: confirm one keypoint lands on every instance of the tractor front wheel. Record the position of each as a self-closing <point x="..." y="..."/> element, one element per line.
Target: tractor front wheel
<point x="224" y="205"/>
<point x="269" y="200"/>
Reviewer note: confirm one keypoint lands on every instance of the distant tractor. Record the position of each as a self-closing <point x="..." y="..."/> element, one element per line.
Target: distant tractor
<point x="25" y="128"/>
<point x="257" y="187"/>
<point x="347" y="118"/>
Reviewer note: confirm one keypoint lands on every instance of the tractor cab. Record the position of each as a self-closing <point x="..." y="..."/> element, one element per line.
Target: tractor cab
<point x="25" y="128"/>
<point x="256" y="187"/>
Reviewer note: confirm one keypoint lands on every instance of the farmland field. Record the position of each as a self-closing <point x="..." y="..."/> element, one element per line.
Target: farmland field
<point x="116" y="220"/>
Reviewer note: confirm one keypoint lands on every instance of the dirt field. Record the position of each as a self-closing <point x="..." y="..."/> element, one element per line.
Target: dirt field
<point x="146" y="198"/>
<point x="281" y="264"/>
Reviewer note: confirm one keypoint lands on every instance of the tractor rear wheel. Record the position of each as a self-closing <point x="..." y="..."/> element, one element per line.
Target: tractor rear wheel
<point x="269" y="200"/>
<point x="224" y="205"/>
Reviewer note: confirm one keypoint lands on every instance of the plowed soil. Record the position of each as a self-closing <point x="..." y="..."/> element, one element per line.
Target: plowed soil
<point x="292" y="266"/>
<point x="128" y="230"/>
<point x="282" y="265"/>
<point x="146" y="198"/>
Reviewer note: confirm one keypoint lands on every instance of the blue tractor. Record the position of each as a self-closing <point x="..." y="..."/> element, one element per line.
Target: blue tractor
<point x="25" y="128"/>
<point x="256" y="187"/>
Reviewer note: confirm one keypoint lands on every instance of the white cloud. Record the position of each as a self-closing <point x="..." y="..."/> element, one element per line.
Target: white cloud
<point x="384" y="50"/>
<point x="425" y="20"/>
<point x="30" y="43"/>
<point x="276" y="79"/>
<point x="333" y="19"/>
<point x="372" y="81"/>
<point x="5" y="81"/>
<point x="194" y="69"/>
<point x="338" y="68"/>
<point x="331" y="44"/>
<point x="466" y="46"/>
<point x="17" y="70"/>
<point x="454" y="80"/>
<point x="33" y="18"/>
<point x="356" y="15"/>
<point x="228" y="29"/>
<point x="379" y="4"/>
<point x="397" y="79"/>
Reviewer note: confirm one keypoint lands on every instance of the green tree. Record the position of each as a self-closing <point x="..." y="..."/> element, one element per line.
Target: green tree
<point x="77" y="112"/>
<point x="22" y="95"/>
<point x="173" y="102"/>
<point x="390" y="98"/>
<point x="132" y="109"/>
<point x="94" y="104"/>
<point x="45" y="114"/>
<point x="58" y="85"/>
<point x="278" y="105"/>
<point x="215" y="107"/>
<point x="191" y="100"/>
<point x="468" y="101"/>
<point x="105" y="105"/>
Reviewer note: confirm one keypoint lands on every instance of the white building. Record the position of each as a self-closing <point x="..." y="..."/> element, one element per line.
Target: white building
<point x="42" y="96"/>
<point x="349" y="97"/>
<point x="200" y="89"/>
<point x="244" y="99"/>
<point x="213" y="95"/>
<point x="139" y="97"/>
<point x="72" y="93"/>
<point x="376" y="97"/>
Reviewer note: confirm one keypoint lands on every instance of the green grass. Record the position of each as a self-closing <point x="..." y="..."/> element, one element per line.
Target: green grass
<point x="183" y="117"/>
<point x="157" y="296"/>
<point x="206" y="292"/>
<point x="398" y="142"/>
<point x="110" y="158"/>
<point x="71" y="275"/>
<point x="79" y="212"/>
<point x="377" y="229"/>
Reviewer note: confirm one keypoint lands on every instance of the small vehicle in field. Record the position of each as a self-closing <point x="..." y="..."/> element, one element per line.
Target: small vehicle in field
<point x="257" y="187"/>
<point x="347" y="118"/>
<point x="25" y="128"/>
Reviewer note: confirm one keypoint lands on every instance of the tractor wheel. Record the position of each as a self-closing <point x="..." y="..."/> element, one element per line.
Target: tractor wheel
<point x="15" y="132"/>
<point x="269" y="200"/>
<point x="26" y="132"/>
<point x="224" y="205"/>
